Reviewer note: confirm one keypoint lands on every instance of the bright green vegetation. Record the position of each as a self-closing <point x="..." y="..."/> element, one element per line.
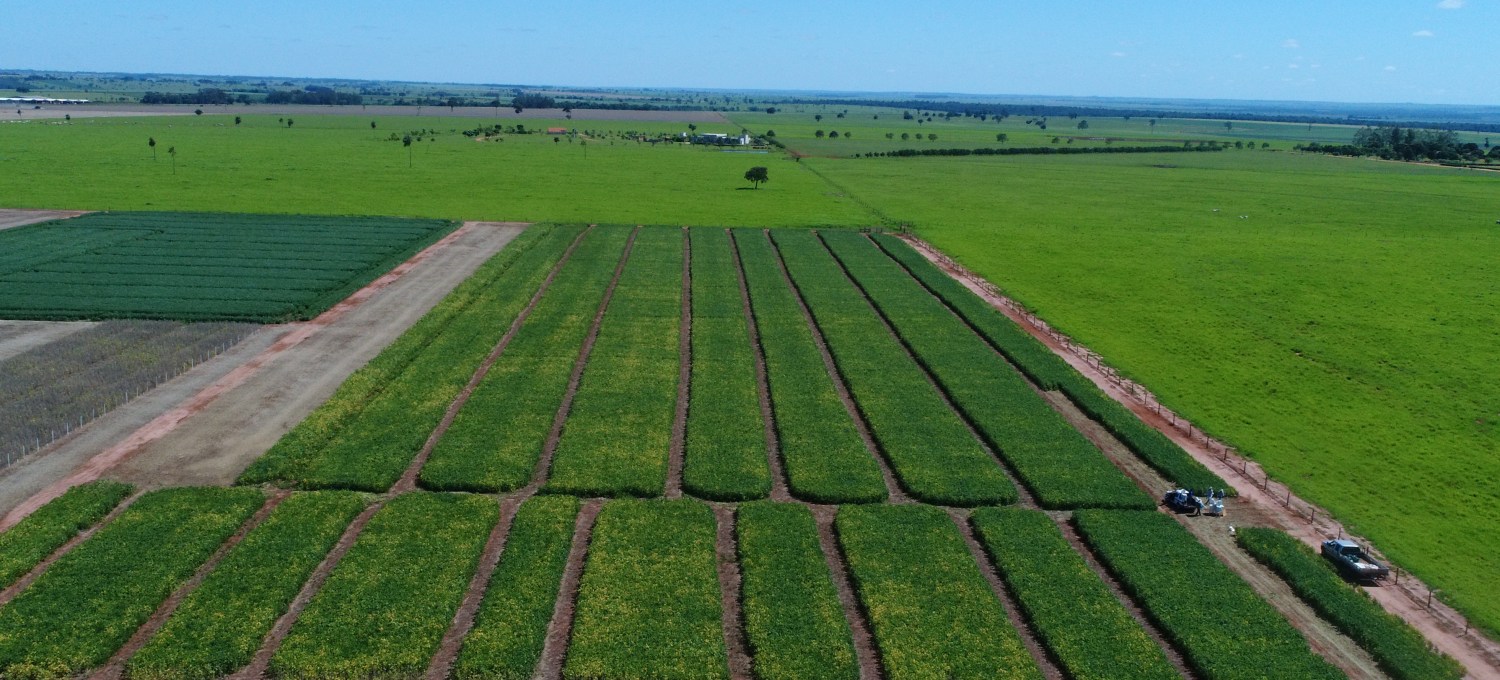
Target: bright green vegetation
<point x="196" y="267"/>
<point x="26" y="544"/>
<point x="1051" y="372"/>
<point x="511" y="627"/>
<point x="1399" y="649"/>
<point x="725" y="453"/>
<point x="648" y="605"/>
<point x="821" y="450"/>
<point x="385" y="608"/>
<point x="931" y="611"/>
<point x="1337" y="334"/>
<point x="91" y="600"/>
<point x="1053" y="460"/>
<point x="1075" y="615"/>
<point x="793" y="618"/>
<point x="219" y="627"/>
<point x="1222" y="627"/>
<point x="326" y="164"/>
<point x="618" y="434"/>
<point x="494" y="443"/>
<point x="929" y="448"/>
<point x="368" y="432"/>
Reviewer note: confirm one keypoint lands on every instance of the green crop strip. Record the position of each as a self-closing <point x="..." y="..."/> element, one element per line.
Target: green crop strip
<point x="617" y="437"/>
<point x="367" y="433"/>
<point x="821" y="450"/>
<point x="929" y="448"/>
<point x="725" y="456"/>
<point x="1399" y="649"/>
<point x="932" y="613"/>
<point x="90" y="601"/>
<point x="1075" y="615"/>
<point x="494" y="443"/>
<point x="1222" y="627"/>
<point x="648" y="605"/>
<point x="511" y="627"/>
<point x="26" y="544"/>
<point x="1060" y="467"/>
<point x="385" y="608"/>
<point x="1050" y="372"/>
<point x="219" y="627"/>
<point x="793" y="618"/>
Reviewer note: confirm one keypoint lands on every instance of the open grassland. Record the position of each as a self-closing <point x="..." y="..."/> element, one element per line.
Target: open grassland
<point x="1340" y="333"/>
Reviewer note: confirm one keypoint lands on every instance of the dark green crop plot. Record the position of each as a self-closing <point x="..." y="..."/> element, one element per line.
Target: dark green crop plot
<point x="725" y="455"/>
<point x="1075" y="615"/>
<point x="821" y="450"/>
<point x="90" y="601"/>
<point x="1399" y="649"/>
<point x="932" y="613"/>
<point x="68" y="269"/>
<point x="793" y="618"/>
<point x="649" y="604"/>
<point x="368" y="432"/>
<point x="385" y="608"/>
<point x="618" y="435"/>
<point x="1052" y="459"/>
<point x="26" y="544"/>
<point x="219" y="627"/>
<point x="930" y="449"/>
<point x="1222" y="627"/>
<point x="494" y="443"/>
<point x="511" y="627"/>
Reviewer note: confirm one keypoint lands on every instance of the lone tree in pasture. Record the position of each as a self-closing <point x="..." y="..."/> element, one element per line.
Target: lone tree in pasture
<point x="197" y="112"/>
<point x="68" y="118"/>
<point x="151" y="142"/>
<point x="289" y="123"/>
<point x="819" y="134"/>
<point x="818" y="117"/>
<point x="236" y="120"/>
<point x="406" y="142"/>
<point x="756" y="175"/>
<point x="1083" y="125"/>
<point x="172" y="151"/>
<point x="1228" y="126"/>
<point x="1153" y="125"/>
<point x="932" y="136"/>
<point x="372" y="125"/>
<point x="1002" y="138"/>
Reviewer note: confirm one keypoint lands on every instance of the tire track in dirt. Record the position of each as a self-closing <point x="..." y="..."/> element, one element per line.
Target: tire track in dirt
<point x="866" y="654"/>
<point x="272" y="642"/>
<point x="21" y="584"/>
<point x="762" y="382"/>
<point x="560" y="628"/>
<point x="894" y="492"/>
<point x="408" y="479"/>
<point x="684" y="373"/>
<point x="727" y="552"/>
<point x="1040" y="654"/>
<point x="115" y="668"/>
<point x="554" y="436"/>
<point x="463" y="619"/>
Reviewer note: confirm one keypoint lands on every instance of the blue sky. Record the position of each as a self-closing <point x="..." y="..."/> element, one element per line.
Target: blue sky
<point x="1426" y="51"/>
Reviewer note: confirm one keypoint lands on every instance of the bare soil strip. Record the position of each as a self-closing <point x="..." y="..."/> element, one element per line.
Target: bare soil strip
<point x="463" y="619"/>
<point x="1173" y="654"/>
<point x="544" y="462"/>
<point x="408" y="479"/>
<point x="727" y="552"/>
<point x="560" y="628"/>
<point x="684" y="373"/>
<point x="762" y="383"/>
<point x="116" y="667"/>
<point x="19" y="336"/>
<point x="21" y="584"/>
<point x="1050" y="669"/>
<point x="10" y="219"/>
<point x="892" y="488"/>
<point x="1444" y="627"/>
<point x="274" y="638"/>
<point x="865" y="651"/>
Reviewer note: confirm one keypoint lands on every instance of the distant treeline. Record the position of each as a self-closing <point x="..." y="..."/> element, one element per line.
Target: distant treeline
<point x="1396" y="143"/>
<point x="1043" y="110"/>
<point x="1037" y="151"/>
<point x="312" y="94"/>
<point x="211" y="95"/>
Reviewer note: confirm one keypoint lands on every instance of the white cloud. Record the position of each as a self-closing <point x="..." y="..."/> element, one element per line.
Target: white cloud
<point x="1291" y="43"/>
<point x="1390" y="68"/>
<point x="1118" y="55"/>
<point x="1423" y="34"/>
<point x="1293" y="66"/>
<point x="1451" y="4"/>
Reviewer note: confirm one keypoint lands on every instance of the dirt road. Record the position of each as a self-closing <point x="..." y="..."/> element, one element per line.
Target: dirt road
<point x="19" y="218"/>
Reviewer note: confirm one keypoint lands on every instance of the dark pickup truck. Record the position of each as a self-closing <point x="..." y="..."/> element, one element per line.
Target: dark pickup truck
<point x="1353" y="561"/>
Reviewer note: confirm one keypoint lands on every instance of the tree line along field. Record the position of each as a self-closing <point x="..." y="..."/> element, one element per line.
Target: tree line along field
<point x="197" y="267"/>
<point x="455" y="509"/>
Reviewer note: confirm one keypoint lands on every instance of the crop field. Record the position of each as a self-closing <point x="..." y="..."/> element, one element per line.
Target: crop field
<point x="195" y="267"/>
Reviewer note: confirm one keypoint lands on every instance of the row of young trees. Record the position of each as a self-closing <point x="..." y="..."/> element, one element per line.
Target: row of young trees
<point x="1407" y="144"/>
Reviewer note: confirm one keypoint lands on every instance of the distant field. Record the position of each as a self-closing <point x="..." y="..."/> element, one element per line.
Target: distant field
<point x="190" y="267"/>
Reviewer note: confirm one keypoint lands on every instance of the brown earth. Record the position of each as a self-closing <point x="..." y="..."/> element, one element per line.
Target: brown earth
<point x="675" y="451"/>
<point x="78" y="111"/>
<point x="18" y="336"/>
<point x="20" y="218"/>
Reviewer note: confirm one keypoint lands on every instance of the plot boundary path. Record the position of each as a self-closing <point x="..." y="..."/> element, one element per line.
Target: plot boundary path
<point x="1444" y="627"/>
